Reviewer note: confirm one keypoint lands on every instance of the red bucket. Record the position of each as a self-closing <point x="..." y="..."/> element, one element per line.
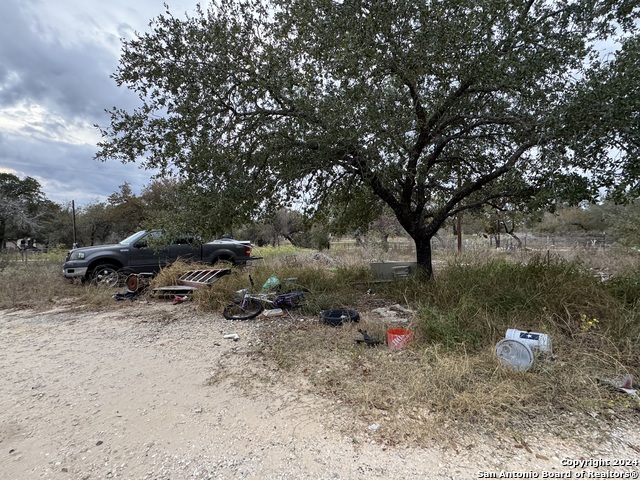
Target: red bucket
<point x="399" y="337"/>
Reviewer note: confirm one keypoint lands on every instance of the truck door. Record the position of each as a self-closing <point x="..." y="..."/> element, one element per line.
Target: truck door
<point x="147" y="254"/>
<point x="186" y="249"/>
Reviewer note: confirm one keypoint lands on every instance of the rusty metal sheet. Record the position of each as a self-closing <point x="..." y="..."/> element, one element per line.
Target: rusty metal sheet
<point x="201" y="278"/>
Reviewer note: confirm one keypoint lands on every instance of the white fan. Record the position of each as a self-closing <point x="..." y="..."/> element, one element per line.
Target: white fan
<point x="514" y="354"/>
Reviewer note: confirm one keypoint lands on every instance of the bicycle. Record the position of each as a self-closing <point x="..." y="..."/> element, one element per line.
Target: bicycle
<point x="249" y="305"/>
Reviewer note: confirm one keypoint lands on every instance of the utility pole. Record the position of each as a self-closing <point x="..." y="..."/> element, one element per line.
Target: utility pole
<point x="73" y="213"/>
<point x="459" y="230"/>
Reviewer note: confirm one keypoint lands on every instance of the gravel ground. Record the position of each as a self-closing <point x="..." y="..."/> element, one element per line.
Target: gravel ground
<point x="150" y="391"/>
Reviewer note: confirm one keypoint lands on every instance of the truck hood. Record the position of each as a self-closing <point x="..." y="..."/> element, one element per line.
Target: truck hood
<point x="75" y="253"/>
<point x="98" y="247"/>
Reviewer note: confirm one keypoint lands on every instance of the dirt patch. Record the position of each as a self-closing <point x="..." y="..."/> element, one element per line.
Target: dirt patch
<point x="152" y="391"/>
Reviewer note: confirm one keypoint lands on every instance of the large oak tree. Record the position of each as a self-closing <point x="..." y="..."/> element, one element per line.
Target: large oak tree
<point x="431" y="107"/>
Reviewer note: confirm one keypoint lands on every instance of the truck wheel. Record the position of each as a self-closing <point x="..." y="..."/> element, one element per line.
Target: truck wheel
<point x="223" y="262"/>
<point x="105" y="275"/>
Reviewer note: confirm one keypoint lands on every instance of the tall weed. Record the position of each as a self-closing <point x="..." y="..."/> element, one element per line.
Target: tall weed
<point x="475" y="304"/>
<point x="35" y="282"/>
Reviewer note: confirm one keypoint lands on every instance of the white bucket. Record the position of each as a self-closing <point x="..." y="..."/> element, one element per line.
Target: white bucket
<point x="537" y="341"/>
<point x="514" y="354"/>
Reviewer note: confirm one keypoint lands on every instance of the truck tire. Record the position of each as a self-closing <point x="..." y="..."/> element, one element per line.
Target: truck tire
<point x="223" y="261"/>
<point x="105" y="275"/>
<point x="337" y="317"/>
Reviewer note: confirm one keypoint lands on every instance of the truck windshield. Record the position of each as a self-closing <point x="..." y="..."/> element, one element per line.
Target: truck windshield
<point x="133" y="238"/>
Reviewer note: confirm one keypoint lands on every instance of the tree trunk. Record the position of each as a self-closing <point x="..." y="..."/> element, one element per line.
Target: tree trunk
<point x="517" y="239"/>
<point x="291" y="240"/>
<point x="513" y="235"/>
<point x="423" y="255"/>
<point x="385" y="243"/>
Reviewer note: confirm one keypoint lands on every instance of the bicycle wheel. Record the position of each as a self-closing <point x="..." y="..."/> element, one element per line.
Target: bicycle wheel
<point x="236" y="311"/>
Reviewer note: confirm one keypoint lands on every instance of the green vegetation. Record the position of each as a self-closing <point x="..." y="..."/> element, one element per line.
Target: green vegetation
<point x="474" y="304"/>
<point x="349" y="108"/>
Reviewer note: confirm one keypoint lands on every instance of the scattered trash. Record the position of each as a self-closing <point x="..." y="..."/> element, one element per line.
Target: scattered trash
<point x="232" y="336"/>
<point x="537" y="341"/>
<point x="337" y="317"/>
<point x="179" y="299"/>
<point x="514" y="354"/>
<point x="633" y="392"/>
<point x="135" y="285"/>
<point x="171" y="291"/>
<point x="392" y="270"/>
<point x="125" y="296"/>
<point x="366" y="338"/>
<point x="189" y="282"/>
<point x="272" y="283"/>
<point x="373" y="427"/>
<point x="201" y="278"/>
<point x="624" y="384"/>
<point x="395" y="313"/>
<point x="274" y="312"/>
<point x="517" y="349"/>
<point x="399" y="338"/>
<point x="623" y="381"/>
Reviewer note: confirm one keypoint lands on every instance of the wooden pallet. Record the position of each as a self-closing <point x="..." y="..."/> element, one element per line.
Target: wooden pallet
<point x="172" y="290"/>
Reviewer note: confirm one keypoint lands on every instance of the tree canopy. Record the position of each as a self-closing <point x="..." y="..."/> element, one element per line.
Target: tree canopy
<point x="429" y="107"/>
<point x="23" y="207"/>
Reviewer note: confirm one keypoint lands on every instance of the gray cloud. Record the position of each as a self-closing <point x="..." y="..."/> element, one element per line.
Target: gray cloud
<point x="66" y="171"/>
<point x="69" y="77"/>
<point x="56" y="58"/>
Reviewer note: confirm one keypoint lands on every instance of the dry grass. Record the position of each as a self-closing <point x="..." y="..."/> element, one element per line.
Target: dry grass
<point x="448" y="377"/>
<point x="414" y="393"/>
<point x="38" y="283"/>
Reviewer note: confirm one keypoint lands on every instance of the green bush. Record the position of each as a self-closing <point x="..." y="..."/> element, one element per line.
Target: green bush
<point x="475" y="304"/>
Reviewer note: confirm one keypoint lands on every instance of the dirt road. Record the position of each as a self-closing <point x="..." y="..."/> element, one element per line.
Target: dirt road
<point x="149" y="391"/>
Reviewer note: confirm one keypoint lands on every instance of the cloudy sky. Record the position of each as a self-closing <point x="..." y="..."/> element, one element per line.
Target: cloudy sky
<point x="56" y="58"/>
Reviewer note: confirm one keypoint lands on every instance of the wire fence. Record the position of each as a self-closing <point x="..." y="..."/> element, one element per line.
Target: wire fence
<point x="481" y="242"/>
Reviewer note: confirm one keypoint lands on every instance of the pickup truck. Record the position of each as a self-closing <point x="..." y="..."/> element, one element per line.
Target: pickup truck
<point x="145" y="252"/>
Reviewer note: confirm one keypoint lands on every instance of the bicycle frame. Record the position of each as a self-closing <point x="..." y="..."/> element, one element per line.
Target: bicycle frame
<point x="277" y="300"/>
<point x="248" y="305"/>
